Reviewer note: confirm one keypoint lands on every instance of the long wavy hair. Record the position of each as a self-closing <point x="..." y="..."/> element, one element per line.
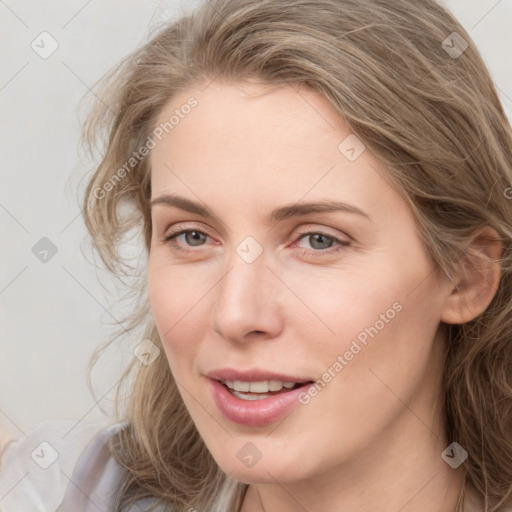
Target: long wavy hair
<point x="421" y="99"/>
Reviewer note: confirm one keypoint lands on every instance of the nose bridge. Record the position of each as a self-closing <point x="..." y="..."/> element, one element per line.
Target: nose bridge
<point x="246" y="299"/>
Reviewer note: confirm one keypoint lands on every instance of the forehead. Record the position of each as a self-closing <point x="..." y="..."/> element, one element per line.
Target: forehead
<point x="244" y="115"/>
<point x="257" y="143"/>
<point x="248" y="126"/>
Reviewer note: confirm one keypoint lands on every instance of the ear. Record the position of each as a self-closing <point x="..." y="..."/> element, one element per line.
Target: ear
<point x="477" y="282"/>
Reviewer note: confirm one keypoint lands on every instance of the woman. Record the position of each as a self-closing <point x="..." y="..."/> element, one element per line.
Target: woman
<point x="323" y="194"/>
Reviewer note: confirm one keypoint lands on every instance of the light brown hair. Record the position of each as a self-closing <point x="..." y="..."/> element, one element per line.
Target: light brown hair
<point x="434" y="121"/>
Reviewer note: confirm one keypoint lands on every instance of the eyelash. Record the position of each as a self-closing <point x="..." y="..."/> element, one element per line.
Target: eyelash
<point x="342" y="244"/>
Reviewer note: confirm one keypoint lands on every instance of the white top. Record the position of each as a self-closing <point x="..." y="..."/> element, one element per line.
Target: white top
<point x="62" y="466"/>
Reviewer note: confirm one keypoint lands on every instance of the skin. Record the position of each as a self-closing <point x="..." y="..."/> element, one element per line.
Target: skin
<point x="372" y="438"/>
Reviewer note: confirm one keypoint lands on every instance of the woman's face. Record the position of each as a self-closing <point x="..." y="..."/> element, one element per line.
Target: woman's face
<point x="266" y="287"/>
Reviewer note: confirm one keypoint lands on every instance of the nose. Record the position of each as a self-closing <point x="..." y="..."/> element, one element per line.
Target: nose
<point x="246" y="302"/>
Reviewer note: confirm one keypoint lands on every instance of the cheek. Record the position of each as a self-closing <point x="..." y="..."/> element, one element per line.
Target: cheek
<point x="177" y="308"/>
<point x="380" y="315"/>
<point x="373" y="366"/>
<point x="387" y="347"/>
<point x="337" y="307"/>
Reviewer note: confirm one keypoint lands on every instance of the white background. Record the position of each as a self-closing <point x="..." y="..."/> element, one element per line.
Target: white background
<point x="53" y="314"/>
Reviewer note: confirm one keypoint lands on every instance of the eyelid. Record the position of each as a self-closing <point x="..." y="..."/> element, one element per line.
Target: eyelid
<point x="338" y="246"/>
<point x="176" y="228"/>
<point x="339" y="243"/>
<point x="311" y="229"/>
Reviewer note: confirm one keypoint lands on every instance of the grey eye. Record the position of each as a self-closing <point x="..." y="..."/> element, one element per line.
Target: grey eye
<point x="194" y="238"/>
<point x="319" y="241"/>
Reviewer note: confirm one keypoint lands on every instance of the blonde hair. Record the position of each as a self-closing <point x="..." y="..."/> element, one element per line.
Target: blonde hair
<point x="431" y="116"/>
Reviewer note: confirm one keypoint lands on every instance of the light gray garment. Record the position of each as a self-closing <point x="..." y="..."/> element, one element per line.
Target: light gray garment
<point x="62" y="467"/>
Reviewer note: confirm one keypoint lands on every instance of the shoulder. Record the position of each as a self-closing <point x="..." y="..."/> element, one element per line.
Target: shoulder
<point x="38" y="470"/>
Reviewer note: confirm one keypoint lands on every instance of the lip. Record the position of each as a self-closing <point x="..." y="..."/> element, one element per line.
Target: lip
<point x="255" y="413"/>
<point x="254" y="375"/>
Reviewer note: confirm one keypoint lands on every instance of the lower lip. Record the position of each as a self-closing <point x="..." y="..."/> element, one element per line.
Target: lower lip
<point x="255" y="413"/>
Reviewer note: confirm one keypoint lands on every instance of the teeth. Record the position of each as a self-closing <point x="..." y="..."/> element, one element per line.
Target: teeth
<point x="258" y="387"/>
<point x="275" y="385"/>
<point x="246" y="396"/>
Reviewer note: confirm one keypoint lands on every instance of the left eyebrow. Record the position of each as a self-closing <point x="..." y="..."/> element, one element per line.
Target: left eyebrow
<point x="298" y="209"/>
<point x="279" y="214"/>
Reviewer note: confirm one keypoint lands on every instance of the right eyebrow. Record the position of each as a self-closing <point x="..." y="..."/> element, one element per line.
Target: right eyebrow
<point x="184" y="204"/>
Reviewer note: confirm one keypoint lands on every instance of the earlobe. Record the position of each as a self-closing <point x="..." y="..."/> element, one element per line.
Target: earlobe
<point x="478" y="280"/>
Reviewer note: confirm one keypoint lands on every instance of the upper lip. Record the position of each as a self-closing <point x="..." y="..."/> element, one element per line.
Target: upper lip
<point x="253" y="375"/>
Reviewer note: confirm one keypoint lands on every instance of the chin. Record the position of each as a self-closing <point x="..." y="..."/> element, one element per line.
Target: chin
<point x="264" y="471"/>
<point x="262" y="475"/>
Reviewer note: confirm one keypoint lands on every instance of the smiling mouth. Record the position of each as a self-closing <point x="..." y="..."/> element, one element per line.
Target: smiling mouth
<point x="260" y="390"/>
